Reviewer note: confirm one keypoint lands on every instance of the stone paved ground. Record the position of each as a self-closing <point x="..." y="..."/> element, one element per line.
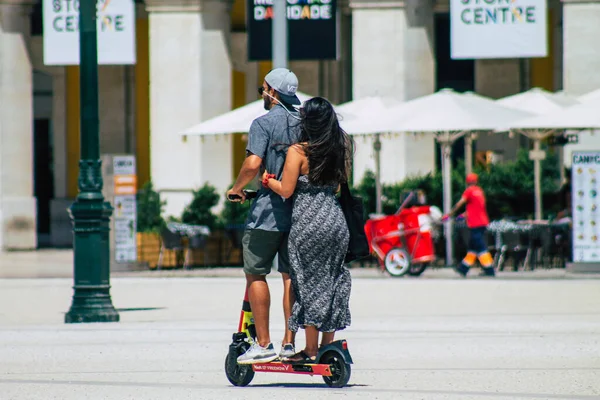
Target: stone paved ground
<point x="523" y="336"/>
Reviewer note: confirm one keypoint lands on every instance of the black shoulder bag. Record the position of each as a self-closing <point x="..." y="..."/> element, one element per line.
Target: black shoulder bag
<point x="352" y="207"/>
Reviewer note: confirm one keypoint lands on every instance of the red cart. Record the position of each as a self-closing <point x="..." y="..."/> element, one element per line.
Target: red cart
<point x="403" y="242"/>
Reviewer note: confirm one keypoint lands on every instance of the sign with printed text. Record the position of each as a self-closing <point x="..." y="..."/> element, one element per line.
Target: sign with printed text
<point x="125" y="208"/>
<point x="498" y="29"/>
<point x="312" y="29"/>
<point x="585" y="178"/>
<point x="116" y="32"/>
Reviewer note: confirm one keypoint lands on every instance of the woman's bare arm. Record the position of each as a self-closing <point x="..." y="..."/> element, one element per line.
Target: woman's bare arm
<point x="291" y="172"/>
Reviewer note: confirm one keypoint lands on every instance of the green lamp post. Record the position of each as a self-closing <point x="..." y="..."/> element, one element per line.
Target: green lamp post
<point x="90" y="213"/>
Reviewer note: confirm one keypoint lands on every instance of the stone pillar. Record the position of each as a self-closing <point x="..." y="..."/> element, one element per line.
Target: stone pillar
<point x="61" y="228"/>
<point x="497" y="78"/>
<point x="17" y="204"/>
<point x="308" y="76"/>
<point x="113" y="108"/>
<point x="240" y="63"/>
<point x="190" y="81"/>
<point x="581" y="55"/>
<point x="581" y="61"/>
<point x="393" y="55"/>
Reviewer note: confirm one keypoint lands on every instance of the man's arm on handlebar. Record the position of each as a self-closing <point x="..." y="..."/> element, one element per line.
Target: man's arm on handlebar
<point x="249" y="170"/>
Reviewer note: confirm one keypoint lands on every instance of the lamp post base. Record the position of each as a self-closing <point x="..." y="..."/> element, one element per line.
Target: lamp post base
<point x="91" y="304"/>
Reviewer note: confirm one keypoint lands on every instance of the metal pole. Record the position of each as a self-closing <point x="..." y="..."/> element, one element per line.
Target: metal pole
<point x="90" y="213"/>
<point x="280" y="34"/>
<point x="447" y="187"/>
<point x="561" y="162"/>
<point x="537" y="178"/>
<point x="378" y="190"/>
<point x="468" y="153"/>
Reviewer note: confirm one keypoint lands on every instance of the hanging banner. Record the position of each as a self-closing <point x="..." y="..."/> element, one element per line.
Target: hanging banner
<point x="312" y="29"/>
<point x="585" y="178"/>
<point x="116" y="32"/>
<point x="498" y="29"/>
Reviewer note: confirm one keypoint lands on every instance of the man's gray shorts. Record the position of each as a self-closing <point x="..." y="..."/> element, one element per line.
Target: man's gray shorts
<point x="260" y="248"/>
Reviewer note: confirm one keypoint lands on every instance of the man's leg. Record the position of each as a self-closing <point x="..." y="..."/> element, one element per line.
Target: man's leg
<point x="288" y="343"/>
<point x="259" y="251"/>
<point x="260" y="303"/>
<point x="470" y="258"/>
<point x="485" y="258"/>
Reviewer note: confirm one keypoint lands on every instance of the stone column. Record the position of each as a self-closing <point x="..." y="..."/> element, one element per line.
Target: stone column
<point x="17" y="204"/>
<point x="581" y="55"/>
<point x="581" y="61"/>
<point x="190" y="81"/>
<point x="113" y="109"/>
<point x="497" y="78"/>
<point x="393" y="55"/>
<point x="61" y="228"/>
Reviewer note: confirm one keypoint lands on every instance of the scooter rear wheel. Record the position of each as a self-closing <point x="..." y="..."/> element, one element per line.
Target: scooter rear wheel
<point x="340" y="371"/>
<point x="238" y="374"/>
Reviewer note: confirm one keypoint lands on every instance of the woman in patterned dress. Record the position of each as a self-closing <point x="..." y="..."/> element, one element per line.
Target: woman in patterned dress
<point x="319" y="236"/>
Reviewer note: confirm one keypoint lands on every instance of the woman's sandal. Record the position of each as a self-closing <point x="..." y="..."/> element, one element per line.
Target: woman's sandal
<point x="300" y="358"/>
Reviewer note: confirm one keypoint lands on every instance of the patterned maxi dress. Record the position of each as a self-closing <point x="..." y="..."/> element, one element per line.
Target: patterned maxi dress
<point x="318" y="242"/>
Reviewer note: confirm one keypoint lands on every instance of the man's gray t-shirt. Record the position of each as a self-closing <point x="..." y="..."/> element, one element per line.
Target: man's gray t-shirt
<point x="269" y="138"/>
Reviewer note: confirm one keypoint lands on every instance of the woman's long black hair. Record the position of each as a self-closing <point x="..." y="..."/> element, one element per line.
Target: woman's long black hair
<point x="327" y="147"/>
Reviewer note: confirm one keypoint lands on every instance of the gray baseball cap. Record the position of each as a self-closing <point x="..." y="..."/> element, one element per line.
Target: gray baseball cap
<point x="285" y="82"/>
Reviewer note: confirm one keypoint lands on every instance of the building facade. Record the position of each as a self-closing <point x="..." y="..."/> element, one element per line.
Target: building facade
<point x="192" y="65"/>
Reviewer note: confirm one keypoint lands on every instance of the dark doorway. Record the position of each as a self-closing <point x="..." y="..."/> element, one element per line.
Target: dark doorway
<point x="43" y="179"/>
<point x="453" y="74"/>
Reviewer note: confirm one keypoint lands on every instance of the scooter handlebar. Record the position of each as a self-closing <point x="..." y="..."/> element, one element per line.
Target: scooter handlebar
<point x="250" y="194"/>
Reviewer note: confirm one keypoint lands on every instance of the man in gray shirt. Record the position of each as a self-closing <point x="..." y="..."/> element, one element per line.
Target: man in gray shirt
<point x="269" y="220"/>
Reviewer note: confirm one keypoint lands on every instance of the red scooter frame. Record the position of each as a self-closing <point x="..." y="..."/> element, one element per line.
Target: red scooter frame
<point x="332" y="362"/>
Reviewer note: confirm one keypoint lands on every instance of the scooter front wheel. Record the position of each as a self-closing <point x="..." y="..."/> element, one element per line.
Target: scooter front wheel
<point x="340" y="371"/>
<point x="238" y="374"/>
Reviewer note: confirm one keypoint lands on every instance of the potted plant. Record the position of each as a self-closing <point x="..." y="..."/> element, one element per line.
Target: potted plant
<point x="149" y="223"/>
<point x="199" y="212"/>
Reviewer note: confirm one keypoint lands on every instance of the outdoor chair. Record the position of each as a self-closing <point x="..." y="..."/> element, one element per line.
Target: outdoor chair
<point x="492" y="240"/>
<point x="513" y="245"/>
<point x="562" y="244"/>
<point x="235" y="234"/>
<point x="195" y="242"/>
<point x="172" y="242"/>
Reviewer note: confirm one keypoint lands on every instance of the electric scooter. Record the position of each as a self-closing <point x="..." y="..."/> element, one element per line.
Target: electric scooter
<point x="332" y="362"/>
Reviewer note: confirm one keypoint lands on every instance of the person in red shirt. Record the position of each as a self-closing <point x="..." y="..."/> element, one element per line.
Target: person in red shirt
<point x="477" y="222"/>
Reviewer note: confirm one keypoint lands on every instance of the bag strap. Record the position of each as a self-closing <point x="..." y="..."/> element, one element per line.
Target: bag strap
<point x="345" y="190"/>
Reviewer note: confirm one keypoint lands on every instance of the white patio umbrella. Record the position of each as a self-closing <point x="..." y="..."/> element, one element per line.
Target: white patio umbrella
<point x="366" y="106"/>
<point x="449" y="115"/>
<point x="538" y="102"/>
<point x="591" y="97"/>
<point x="577" y="117"/>
<point x="358" y="117"/>
<point x="235" y="121"/>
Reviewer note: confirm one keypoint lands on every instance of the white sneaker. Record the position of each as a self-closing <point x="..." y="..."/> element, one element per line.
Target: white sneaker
<point x="257" y="354"/>
<point x="287" y="350"/>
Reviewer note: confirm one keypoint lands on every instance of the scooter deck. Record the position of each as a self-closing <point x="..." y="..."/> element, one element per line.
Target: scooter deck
<point x="303" y="369"/>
